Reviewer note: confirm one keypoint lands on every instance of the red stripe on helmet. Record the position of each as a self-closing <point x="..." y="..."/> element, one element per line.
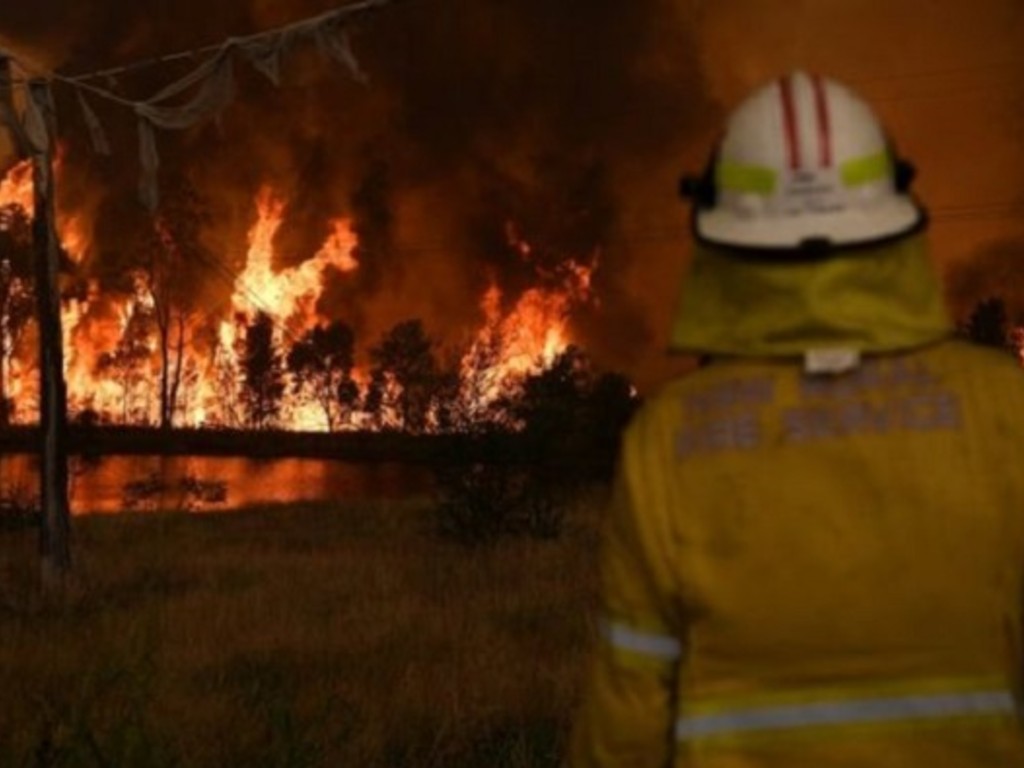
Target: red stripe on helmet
<point x="789" y="122"/>
<point x="824" y="127"/>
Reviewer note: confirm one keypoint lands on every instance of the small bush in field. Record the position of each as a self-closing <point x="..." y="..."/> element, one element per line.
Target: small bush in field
<point x="186" y="494"/>
<point x="19" y="508"/>
<point x="481" y="502"/>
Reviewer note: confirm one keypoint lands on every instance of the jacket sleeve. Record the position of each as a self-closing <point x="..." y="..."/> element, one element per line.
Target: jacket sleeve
<point x="626" y="715"/>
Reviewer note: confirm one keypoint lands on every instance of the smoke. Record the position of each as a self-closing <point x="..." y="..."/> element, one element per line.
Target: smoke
<point x="488" y="119"/>
<point x="485" y="123"/>
<point x="488" y="123"/>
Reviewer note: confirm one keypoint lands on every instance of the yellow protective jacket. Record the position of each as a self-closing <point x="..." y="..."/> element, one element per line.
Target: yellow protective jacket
<point x="815" y="570"/>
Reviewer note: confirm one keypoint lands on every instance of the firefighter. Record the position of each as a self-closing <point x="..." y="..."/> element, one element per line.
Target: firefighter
<point x="814" y="552"/>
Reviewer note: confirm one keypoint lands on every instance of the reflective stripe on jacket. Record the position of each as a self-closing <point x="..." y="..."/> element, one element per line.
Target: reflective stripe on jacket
<point x="921" y="704"/>
<point x="816" y="571"/>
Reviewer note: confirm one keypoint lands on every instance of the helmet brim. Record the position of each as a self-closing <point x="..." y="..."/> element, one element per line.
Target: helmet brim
<point x="898" y="216"/>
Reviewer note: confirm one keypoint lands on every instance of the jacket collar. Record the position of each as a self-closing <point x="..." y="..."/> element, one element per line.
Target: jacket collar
<point x="879" y="299"/>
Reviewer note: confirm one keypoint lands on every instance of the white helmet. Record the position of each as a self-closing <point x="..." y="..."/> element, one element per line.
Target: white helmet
<point x="804" y="165"/>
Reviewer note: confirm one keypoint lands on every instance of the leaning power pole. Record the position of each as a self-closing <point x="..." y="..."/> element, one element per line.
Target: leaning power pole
<point x="55" y="520"/>
<point x="34" y="139"/>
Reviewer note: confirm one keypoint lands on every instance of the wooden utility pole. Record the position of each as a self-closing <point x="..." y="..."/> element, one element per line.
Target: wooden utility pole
<point x="55" y="523"/>
<point x="34" y="139"/>
<point x="8" y="114"/>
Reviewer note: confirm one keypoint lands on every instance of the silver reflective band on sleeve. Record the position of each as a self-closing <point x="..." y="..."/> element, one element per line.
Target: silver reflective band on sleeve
<point x="851" y="712"/>
<point x="626" y="638"/>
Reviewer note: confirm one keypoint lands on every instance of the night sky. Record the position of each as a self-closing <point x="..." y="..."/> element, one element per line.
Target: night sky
<point x="574" y="119"/>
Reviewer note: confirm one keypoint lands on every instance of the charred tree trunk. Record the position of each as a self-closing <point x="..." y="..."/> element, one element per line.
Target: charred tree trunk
<point x="170" y="318"/>
<point x="175" y="383"/>
<point x="164" y="331"/>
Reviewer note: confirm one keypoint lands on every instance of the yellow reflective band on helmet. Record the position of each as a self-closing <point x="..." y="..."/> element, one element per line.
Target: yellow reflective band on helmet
<point x="862" y="170"/>
<point x="745" y="178"/>
<point x="905" y="710"/>
<point x="640" y="642"/>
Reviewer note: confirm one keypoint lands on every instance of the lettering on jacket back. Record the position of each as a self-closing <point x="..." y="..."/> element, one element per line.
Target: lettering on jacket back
<point x="883" y="396"/>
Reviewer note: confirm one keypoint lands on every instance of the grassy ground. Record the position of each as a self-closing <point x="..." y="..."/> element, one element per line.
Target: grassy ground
<point x="298" y="636"/>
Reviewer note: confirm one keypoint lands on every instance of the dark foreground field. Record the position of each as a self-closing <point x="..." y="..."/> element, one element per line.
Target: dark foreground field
<point x="300" y="636"/>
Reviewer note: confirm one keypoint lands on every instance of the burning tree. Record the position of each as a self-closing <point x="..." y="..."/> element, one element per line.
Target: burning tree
<point x="485" y="384"/>
<point x="175" y="250"/>
<point x="321" y="363"/>
<point x="263" y="373"/>
<point x="140" y="350"/>
<point x="128" y="363"/>
<point x="16" y="303"/>
<point x="405" y="374"/>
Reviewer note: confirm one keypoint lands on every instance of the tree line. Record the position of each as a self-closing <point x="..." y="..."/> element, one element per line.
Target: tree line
<point x="409" y="387"/>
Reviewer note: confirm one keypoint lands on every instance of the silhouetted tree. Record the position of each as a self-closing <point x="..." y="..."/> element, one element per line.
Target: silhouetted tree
<point x="550" y="402"/>
<point x="348" y="397"/>
<point x="173" y="254"/>
<point x="571" y="422"/>
<point x="322" y="362"/>
<point x="482" y="393"/>
<point x="404" y="359"/>
<point x="16" y="301"/>
<point x="263" y="373"/>
<point x="610" y="404"/>
<point x="572" y="415"/>
<point x="376" y="401"/>
<point x="988" y="324"/>
<point x="168" y="250"/>
<point x="529" y="492"/>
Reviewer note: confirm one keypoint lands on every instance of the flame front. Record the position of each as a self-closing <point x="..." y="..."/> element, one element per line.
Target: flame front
<point x="114" y="358"/>
<point x="523" y="341"/>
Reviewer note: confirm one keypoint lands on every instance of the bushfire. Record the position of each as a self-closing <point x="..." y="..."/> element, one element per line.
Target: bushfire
<point x="271" y="358"/>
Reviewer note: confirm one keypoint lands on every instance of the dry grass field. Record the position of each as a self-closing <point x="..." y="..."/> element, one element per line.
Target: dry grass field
<point x="313" y="635"/>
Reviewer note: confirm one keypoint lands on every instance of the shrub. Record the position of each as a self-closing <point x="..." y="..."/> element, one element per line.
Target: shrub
<point x="186" y="494"/>
<point x="481" y="502"/>
<point x="19" y="508"/>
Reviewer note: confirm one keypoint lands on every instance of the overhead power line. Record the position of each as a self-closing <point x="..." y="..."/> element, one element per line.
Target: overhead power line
<point x="135" y="66"/>
<point x="223" y="271"/>
<point x="202" y="93"/>
<point x="336" y="14"/>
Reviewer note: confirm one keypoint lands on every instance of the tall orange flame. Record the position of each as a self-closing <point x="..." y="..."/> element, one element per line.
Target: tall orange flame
<point x="113" y="357"/>
<point x="16" y="187"/>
